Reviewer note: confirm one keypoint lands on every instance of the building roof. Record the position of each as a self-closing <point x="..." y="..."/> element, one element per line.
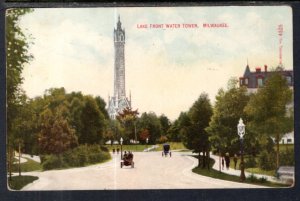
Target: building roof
<point x="263" y="74"/>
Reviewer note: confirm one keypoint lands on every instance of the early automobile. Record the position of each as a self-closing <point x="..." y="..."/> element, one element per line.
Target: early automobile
<point x="166" y="150"/>
<point x="127" y="160"/>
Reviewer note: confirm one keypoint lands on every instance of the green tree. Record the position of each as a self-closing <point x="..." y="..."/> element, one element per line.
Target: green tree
<point x="127" y="119"/>
<point x="184" y="122"/>
<point x="150" y="122"/>
<point x="195" y="136"/>
<point x="228" y="109"/>
<point x="17" y="55"/>
<point x="268" y="110"/>
<point x="174" y="132"/>
<point x="76" y="107"/>
<point x="55" y="136"/>
<point x="165" y="123"/>
<point x="101" y="105"/>
<point x="114" y="131"/>
<point x="93" y="122"/>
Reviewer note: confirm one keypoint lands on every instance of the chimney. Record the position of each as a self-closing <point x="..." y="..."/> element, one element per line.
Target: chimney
<point x="258" y="69"/>
<point x="266" y="68"/>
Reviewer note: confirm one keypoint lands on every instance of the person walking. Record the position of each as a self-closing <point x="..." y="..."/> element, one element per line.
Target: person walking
<point x="235" y="159"/>
<point x="227" y="160"/>
<point x="223" y="163"/>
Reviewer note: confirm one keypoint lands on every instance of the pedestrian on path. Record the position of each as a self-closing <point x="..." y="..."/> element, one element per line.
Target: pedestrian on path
<point x="235" y="159"/>
<point x="227" y="161"/>
<point x="222" y="163"/>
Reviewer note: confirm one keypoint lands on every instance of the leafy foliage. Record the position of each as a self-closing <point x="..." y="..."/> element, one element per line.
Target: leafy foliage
<point x="267" y="110"/>
<point x="78" y="157"/>
<point x="93" y="122"/>
<point x="165" y="123"/>
<point x="266" y="161"/>
<point x="194" y="123"/>
<point x="250" y="162"/>
<point x="17" y="56"/>
<point x="144" y="135"/>
<point x="163" y="139"/>
<point x="55" y="136"/>
<point x="229" y="107"/>
<point x="287" y="158"/>
<point x="128" y="118"/>
<point x="150" y="122"/>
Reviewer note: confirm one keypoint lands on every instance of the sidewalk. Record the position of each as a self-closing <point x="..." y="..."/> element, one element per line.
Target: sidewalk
<point x="24" y="156"/>
<point x="151" y="148"/>
<point x="231" y="171"/>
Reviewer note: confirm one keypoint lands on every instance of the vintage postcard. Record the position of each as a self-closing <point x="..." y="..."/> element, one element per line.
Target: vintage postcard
<point x="135" y="98"/>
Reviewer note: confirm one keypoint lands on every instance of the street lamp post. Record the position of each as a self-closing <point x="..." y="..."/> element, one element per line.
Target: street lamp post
<point x="135" y="136"/>
<point x="147" y="144"/>
<point x="241" y="133"/>
<point x="121" y="141"/>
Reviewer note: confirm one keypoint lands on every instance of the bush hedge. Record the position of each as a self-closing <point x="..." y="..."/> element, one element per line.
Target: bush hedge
<point x="78" y="157"/>
<point x="267" y="160"/>
<point x="287" y="158"/>
<point x="250" y="162"/>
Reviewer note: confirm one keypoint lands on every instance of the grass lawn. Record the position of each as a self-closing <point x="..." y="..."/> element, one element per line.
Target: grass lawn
<point x="134" y="148"/>
<point x="28" y="166"/>
<point x="284" y="147"/>
<point x="260" y="171"/>
<point x="142" y="147"/>
<point x="256" y="170"/>
<point x="251" y="170"/>
<point x="173" y="146"/>
<point x="220" y="175"/>
<point x="18" y="182"/>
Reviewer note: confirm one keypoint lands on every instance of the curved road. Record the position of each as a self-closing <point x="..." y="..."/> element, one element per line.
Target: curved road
<point x="151" y="171"/>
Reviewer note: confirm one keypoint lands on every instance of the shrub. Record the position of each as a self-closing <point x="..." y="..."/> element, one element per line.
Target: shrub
<point x="80" y="156"/>
<point x="163" y="139"/>
<point x="252" y="178"/>
<point x="70" y="158"/>
<point x="54" y="162"/>
<point x="267" y="161"/>
<point x="250" y="162"/>
<point x="103" y="148"/>
<point x="287" y="158"/>
<point x="263" y="179"/>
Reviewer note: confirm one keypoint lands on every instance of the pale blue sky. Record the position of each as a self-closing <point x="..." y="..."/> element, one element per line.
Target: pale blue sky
<point x="166" y="69"/>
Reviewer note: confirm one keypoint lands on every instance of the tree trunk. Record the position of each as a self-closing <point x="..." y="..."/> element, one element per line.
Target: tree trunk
<point x="199" y="160"/>
<point x="277" y="154"/>
<point x="204" y="158"/>
<point x="10" y="153"/>
<point x="219" y="159"/>
<point x="19" y="159"/>
<point x="208" y="159"/>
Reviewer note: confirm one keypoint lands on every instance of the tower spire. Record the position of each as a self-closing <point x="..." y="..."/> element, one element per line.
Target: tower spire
<point x="119" y="100"/>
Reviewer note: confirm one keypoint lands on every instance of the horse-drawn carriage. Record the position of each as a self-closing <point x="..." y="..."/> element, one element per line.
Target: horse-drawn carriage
<point x="127" y="160"/>
<point x="166" y="150"/>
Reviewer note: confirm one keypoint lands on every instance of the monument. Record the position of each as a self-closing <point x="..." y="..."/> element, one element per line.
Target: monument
<point x="119" y="101"/>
